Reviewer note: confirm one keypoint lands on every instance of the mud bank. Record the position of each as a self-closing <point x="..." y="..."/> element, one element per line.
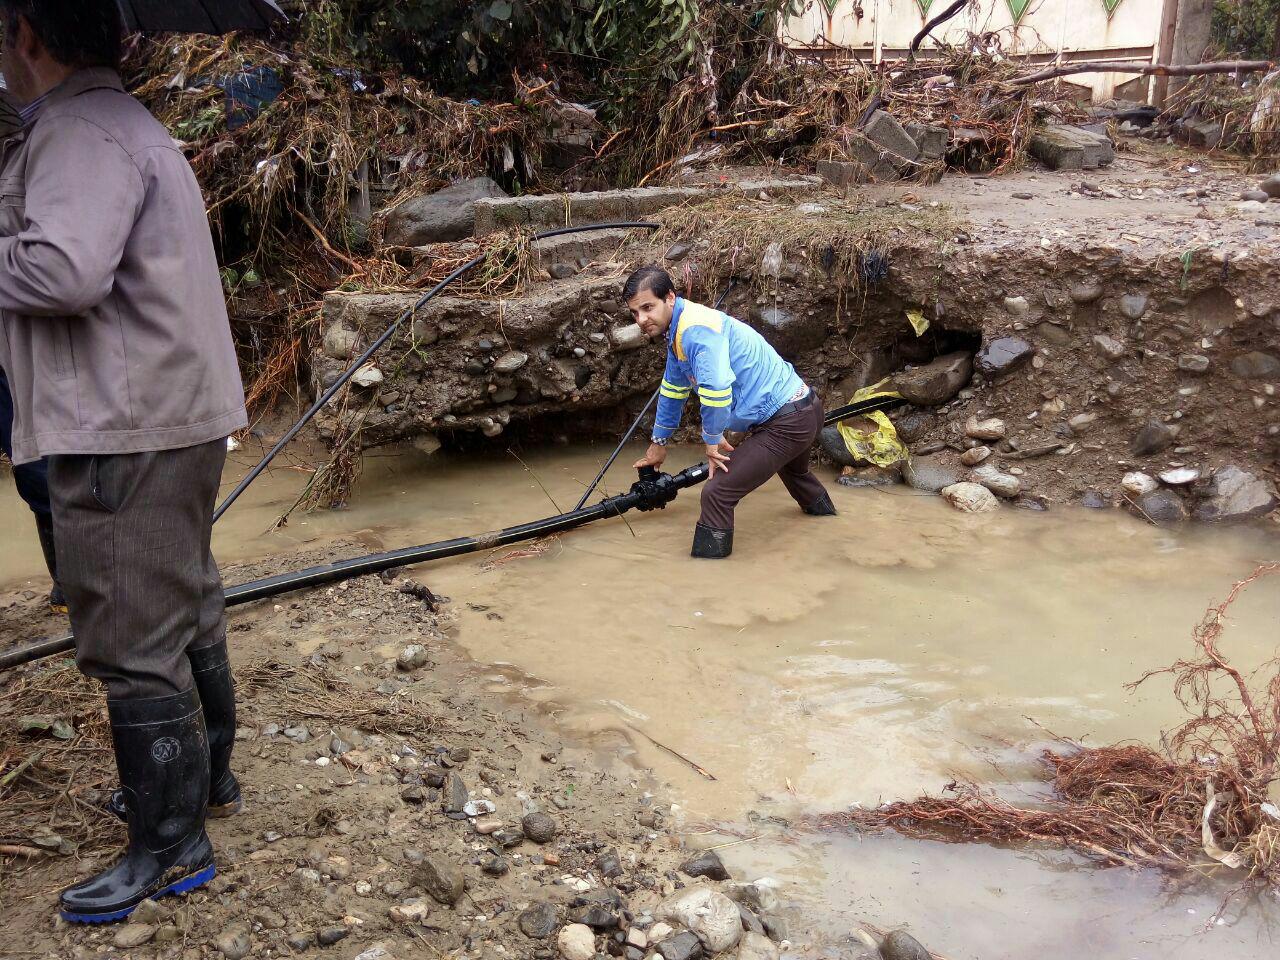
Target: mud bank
<point x="1136" y="303"/>
<point x="393" y="806"/>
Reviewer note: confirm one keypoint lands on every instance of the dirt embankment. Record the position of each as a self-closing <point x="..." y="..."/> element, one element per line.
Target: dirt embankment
<point x="394" y="804"/>
<point x="1124" y="321"/>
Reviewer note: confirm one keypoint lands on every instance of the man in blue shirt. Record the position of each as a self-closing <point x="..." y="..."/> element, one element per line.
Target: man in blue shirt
<point x="743" y="385"/>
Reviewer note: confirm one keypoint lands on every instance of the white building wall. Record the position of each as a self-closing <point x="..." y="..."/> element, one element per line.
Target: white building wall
<point x="1046" y="31"/>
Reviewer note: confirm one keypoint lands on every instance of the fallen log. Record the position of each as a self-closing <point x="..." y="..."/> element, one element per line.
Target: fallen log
<point x="1150" y="69"/>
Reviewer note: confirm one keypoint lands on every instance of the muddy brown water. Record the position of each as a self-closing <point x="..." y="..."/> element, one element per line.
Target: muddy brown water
<point x="832" y="661"/>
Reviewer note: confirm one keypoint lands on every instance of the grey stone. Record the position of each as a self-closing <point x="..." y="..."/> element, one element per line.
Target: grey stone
<point x="1256" y="365"/>
<point x="1109" y="347"/>
<point x="298" y="734"/>
<point x="1193" y="363"/>
<point x="1133" y="305"/>
<point x="455" y="794"/>
<point x="1237" y="495"/>
<point x="871" y="476"/>
<point x="328" y="936"/>
<point x="1162" y="506"/>
<point x="594" y="915"/>
<point x="496" y="866"/>
<point x="1095" y="500"/>
<point x="833" y="445"/>
<point x="609" y="864"/>
<point x="913" y="425"/>
<point x="935" y="383"/>
<point x="539" y="827"/>
<point x="629" y="337"/>
<point x="447" y="214"/>
<point x="999" y="483"/>
<point x="1258" y="196"/>
<point x="975" y="455"/>
<point x="845" y="173"/>
<point x="441" y="879"/>
<point x="705" y="864"/>
<point x="776" y="927"/>
<point x="562" y="271"/>
<point x="900" y="945"/>
<point x="929" y="474"/>
<point x="1086" y="291"/>
<point x="234" y="942"/>
<point x="750" y="922"/>
<point x="1138" y="483"/>
<point x="789" y="332"/>
<point x="301" y="940"/>
<point x="1180" y="477"/>
<point x="992" y="428"/>
<point x="539" y="921"/>
<point x="683" y="946"/>
<point x="887" y="133"/>
<point x="1003" y="355"/>
<point x="510" y="362"/>
<point x="970" y="498"/>
<point x="576" y="942"/>
<point x="1017" y="306"/>
<point x="339" y="342"/>
<point x="1082" y="422"/>
<point x="677" y="252"/>
<point x="133" y="935"/>
<point x="1271" y="185"/>
<point x="1151" y="439"/>
<point x="756" y="946"/>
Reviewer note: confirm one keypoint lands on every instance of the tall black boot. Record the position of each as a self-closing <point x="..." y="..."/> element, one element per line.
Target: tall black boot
<point x="163" y="760"/>
<point x="212" y="672"/>
<point x="44" y="529"/>
<point x="822" y="507"/>
<point x="711" y="543"/>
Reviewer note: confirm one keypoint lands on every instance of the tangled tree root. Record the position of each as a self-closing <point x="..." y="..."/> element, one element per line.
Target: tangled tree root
<point x="1200" y="800"/>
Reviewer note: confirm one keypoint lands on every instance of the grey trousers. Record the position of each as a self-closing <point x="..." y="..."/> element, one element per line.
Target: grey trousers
<point x="779" y="446"/>
<point x="134" y="560"/>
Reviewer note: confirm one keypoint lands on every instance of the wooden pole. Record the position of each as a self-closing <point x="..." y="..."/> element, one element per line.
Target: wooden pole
<point x="1168" y="28"/>
<point x="1150" y="69"/>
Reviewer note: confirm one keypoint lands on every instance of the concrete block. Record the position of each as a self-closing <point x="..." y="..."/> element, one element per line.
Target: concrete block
<point x="896" y="145"/>
<point x="1062" y="147"/>
<point x="843" y="173"/>
<point x="932" y="140"/>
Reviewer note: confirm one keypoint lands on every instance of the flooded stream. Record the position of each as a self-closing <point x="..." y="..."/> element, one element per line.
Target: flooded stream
<point x="871" y="656"/>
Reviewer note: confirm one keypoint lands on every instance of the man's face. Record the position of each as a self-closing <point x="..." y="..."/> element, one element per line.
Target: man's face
<point x="651" y="313"/>
<point x="15" y="62"/>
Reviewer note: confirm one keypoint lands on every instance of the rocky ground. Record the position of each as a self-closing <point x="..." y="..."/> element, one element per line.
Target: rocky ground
<point x="1118" y="323"/>
<point x="394" y="808"/>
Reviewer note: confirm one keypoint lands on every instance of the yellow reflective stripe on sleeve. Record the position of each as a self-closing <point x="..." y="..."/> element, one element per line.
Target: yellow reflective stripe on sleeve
<point x="715" y="394"/>
<point x="674" y="396"/>
<point x="695" y="315"/>
<point x="669" y="389"/>
<point x="715" y="403"/>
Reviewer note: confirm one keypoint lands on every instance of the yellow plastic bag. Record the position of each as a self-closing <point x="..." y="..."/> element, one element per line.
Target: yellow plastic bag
<point x="880" y="446"/>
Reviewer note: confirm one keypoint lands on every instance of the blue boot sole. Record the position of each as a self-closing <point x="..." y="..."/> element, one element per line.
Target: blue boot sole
<point x="185" y="885"/>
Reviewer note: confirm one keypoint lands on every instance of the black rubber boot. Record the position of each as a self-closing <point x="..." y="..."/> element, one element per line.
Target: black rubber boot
<point x="44" y="529"/>
<point x="212" y="672"/>
<point x="710" y="543"/>
<point x="163" y="760"/>
<point x="822" y="507"/>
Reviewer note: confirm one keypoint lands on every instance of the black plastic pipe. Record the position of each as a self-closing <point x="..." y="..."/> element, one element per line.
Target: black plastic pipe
<point x="386" y="335"/>
<point x="646" y="494"/>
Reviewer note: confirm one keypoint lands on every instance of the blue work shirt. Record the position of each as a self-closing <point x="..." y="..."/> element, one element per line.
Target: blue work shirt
<point x="741" y="380"/>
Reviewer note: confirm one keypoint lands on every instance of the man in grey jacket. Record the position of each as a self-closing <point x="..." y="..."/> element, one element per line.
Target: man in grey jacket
<point x="119" y="356"/>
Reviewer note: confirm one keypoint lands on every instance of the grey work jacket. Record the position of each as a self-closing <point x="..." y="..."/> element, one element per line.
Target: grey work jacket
<point x="115" y="333"/>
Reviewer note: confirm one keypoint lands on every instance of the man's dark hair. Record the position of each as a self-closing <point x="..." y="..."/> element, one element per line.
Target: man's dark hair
<point x="77" y="33"/>
<point x="652" y="278"/>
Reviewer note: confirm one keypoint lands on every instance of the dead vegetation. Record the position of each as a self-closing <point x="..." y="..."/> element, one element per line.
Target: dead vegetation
<point x="1199" y="801"/>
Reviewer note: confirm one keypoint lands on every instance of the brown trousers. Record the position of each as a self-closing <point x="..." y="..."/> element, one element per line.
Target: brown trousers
<point x="133" y="558"/>
<point x="779" y="446"/>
